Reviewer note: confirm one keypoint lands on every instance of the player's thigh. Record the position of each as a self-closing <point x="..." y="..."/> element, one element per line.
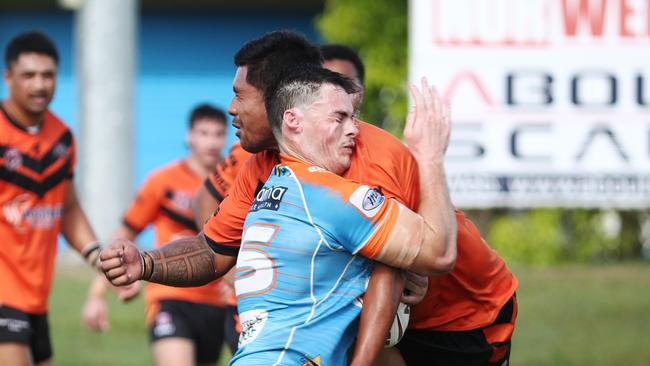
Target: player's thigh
<point x="390" y="357"/>
<point x="15" y="354"/>
<point x="173" y="351"/>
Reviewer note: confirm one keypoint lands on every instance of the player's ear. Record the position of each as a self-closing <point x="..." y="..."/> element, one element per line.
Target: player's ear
<point x="292" y="119"/>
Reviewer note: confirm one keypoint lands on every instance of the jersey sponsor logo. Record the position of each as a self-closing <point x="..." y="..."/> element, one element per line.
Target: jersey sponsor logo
<point x="268" y="198"/>
<point x="367" y="200"/>
<point x="252" y="322"/>
<point x="164" y="325"/>
<point x="13" y="159"/>
<point x="19" y="213"/>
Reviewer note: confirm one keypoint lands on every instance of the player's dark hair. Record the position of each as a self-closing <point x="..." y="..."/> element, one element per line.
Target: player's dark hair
<point x="207" y="111"/>
<point x="300" y="85"/>
<point x="30" y="42"/>
<point x="266" y="57"/>
<point x="342" y="52"/>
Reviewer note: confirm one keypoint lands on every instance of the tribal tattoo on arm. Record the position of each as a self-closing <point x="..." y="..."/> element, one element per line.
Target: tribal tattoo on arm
<point x="184" y="262"/>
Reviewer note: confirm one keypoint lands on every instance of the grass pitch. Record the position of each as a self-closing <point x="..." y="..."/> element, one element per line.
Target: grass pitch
<point x="568" y="315"/>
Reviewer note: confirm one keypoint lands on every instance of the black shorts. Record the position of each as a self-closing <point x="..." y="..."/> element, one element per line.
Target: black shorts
<point x="488" y="346"/>
<point x="30" y="329"/>
<point x="201" y="323"/>
<point x="231" y="328"/>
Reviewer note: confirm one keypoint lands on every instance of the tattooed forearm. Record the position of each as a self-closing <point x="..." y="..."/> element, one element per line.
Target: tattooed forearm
<point x="182" y="263"/>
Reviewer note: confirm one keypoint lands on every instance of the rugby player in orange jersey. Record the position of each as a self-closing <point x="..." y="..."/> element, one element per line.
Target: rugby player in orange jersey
<point x="37" y="199"/>
<point x="186" y="325"/>
<point x="468" y="315"/>
<point x="370" y="163"/>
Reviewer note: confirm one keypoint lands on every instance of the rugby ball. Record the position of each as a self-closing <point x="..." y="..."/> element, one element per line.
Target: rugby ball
<point x="400" y="323"/>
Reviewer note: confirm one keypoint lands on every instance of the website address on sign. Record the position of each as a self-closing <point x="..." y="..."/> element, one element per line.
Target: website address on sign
<point x="555" y="184"/>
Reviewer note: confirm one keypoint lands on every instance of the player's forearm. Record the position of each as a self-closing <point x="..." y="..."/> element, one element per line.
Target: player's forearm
<point x="76" y="228"/>
<point x="184" y="262"/>
<point x="379" y="307"/>
<point x="440" y="227"/>
<point x="98" y="287"/>
<point x="203" y="206"/>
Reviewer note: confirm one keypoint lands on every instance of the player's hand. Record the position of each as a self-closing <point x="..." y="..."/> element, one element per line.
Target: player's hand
<point x="428" y="125"/>
<point x="121" y="262"/>
<point x="415" y="288"/>
<point x="95" y="314"/>
<point x="128" y="293"/>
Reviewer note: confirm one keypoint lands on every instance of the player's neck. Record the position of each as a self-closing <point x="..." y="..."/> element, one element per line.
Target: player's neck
<point x="196" y="167"/>
<point x="21" y="117"/>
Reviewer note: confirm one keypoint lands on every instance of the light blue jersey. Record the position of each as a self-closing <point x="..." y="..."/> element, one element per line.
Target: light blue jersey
<point x="299" y="276"/>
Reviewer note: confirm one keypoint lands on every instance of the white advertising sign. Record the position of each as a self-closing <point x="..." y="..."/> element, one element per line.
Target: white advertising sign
<point x="550" y="98"/>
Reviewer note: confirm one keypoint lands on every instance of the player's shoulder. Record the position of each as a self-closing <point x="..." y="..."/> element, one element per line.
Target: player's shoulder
<point x="167" y="172"/>
<point x="54" y="126"/>
<point x="261" y="163"/>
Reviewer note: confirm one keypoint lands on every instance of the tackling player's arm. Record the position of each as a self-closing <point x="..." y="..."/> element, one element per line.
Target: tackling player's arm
<point x="183" y="262"/>
<point x="423" y="242"/>
<point x="379" y="307"/>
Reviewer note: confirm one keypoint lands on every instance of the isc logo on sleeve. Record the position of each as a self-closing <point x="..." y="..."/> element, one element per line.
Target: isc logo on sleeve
<point x="268" y="198"/>
<point x="367" y="200"/>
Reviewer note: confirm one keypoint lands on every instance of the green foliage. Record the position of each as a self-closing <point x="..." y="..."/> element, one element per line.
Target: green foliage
<point x="528" y="237"/>
<point x="550" y="236"/>
<point x="378" y="30"/>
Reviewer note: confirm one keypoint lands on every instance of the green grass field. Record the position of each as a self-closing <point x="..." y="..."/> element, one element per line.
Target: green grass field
<point x="570" y="315"/>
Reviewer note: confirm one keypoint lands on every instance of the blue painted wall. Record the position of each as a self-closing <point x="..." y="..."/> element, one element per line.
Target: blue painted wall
<point x="183" y="59"/>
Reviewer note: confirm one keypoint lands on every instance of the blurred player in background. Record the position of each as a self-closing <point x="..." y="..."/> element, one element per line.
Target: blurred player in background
<point x="38" y="200"/>
<point x="186" y="324"/>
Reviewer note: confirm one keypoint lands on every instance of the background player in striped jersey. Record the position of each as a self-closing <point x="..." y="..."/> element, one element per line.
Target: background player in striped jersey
<point x="37" y="199"/>
<point x="186" y="324"/>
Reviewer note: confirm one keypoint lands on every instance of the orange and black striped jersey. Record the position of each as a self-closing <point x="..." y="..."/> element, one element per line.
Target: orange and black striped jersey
<point x="467" y="298"/>
<point x="35" y="170"/>
<point x="165" y="201"/>
<point x="219" y="182"/>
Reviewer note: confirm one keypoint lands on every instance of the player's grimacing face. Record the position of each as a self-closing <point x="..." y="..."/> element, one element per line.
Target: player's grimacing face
<point x="249" y="115"/>
<point x="329" y="129"/>
<point x="206" y="139"/>
<point x="31" y="80"/>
